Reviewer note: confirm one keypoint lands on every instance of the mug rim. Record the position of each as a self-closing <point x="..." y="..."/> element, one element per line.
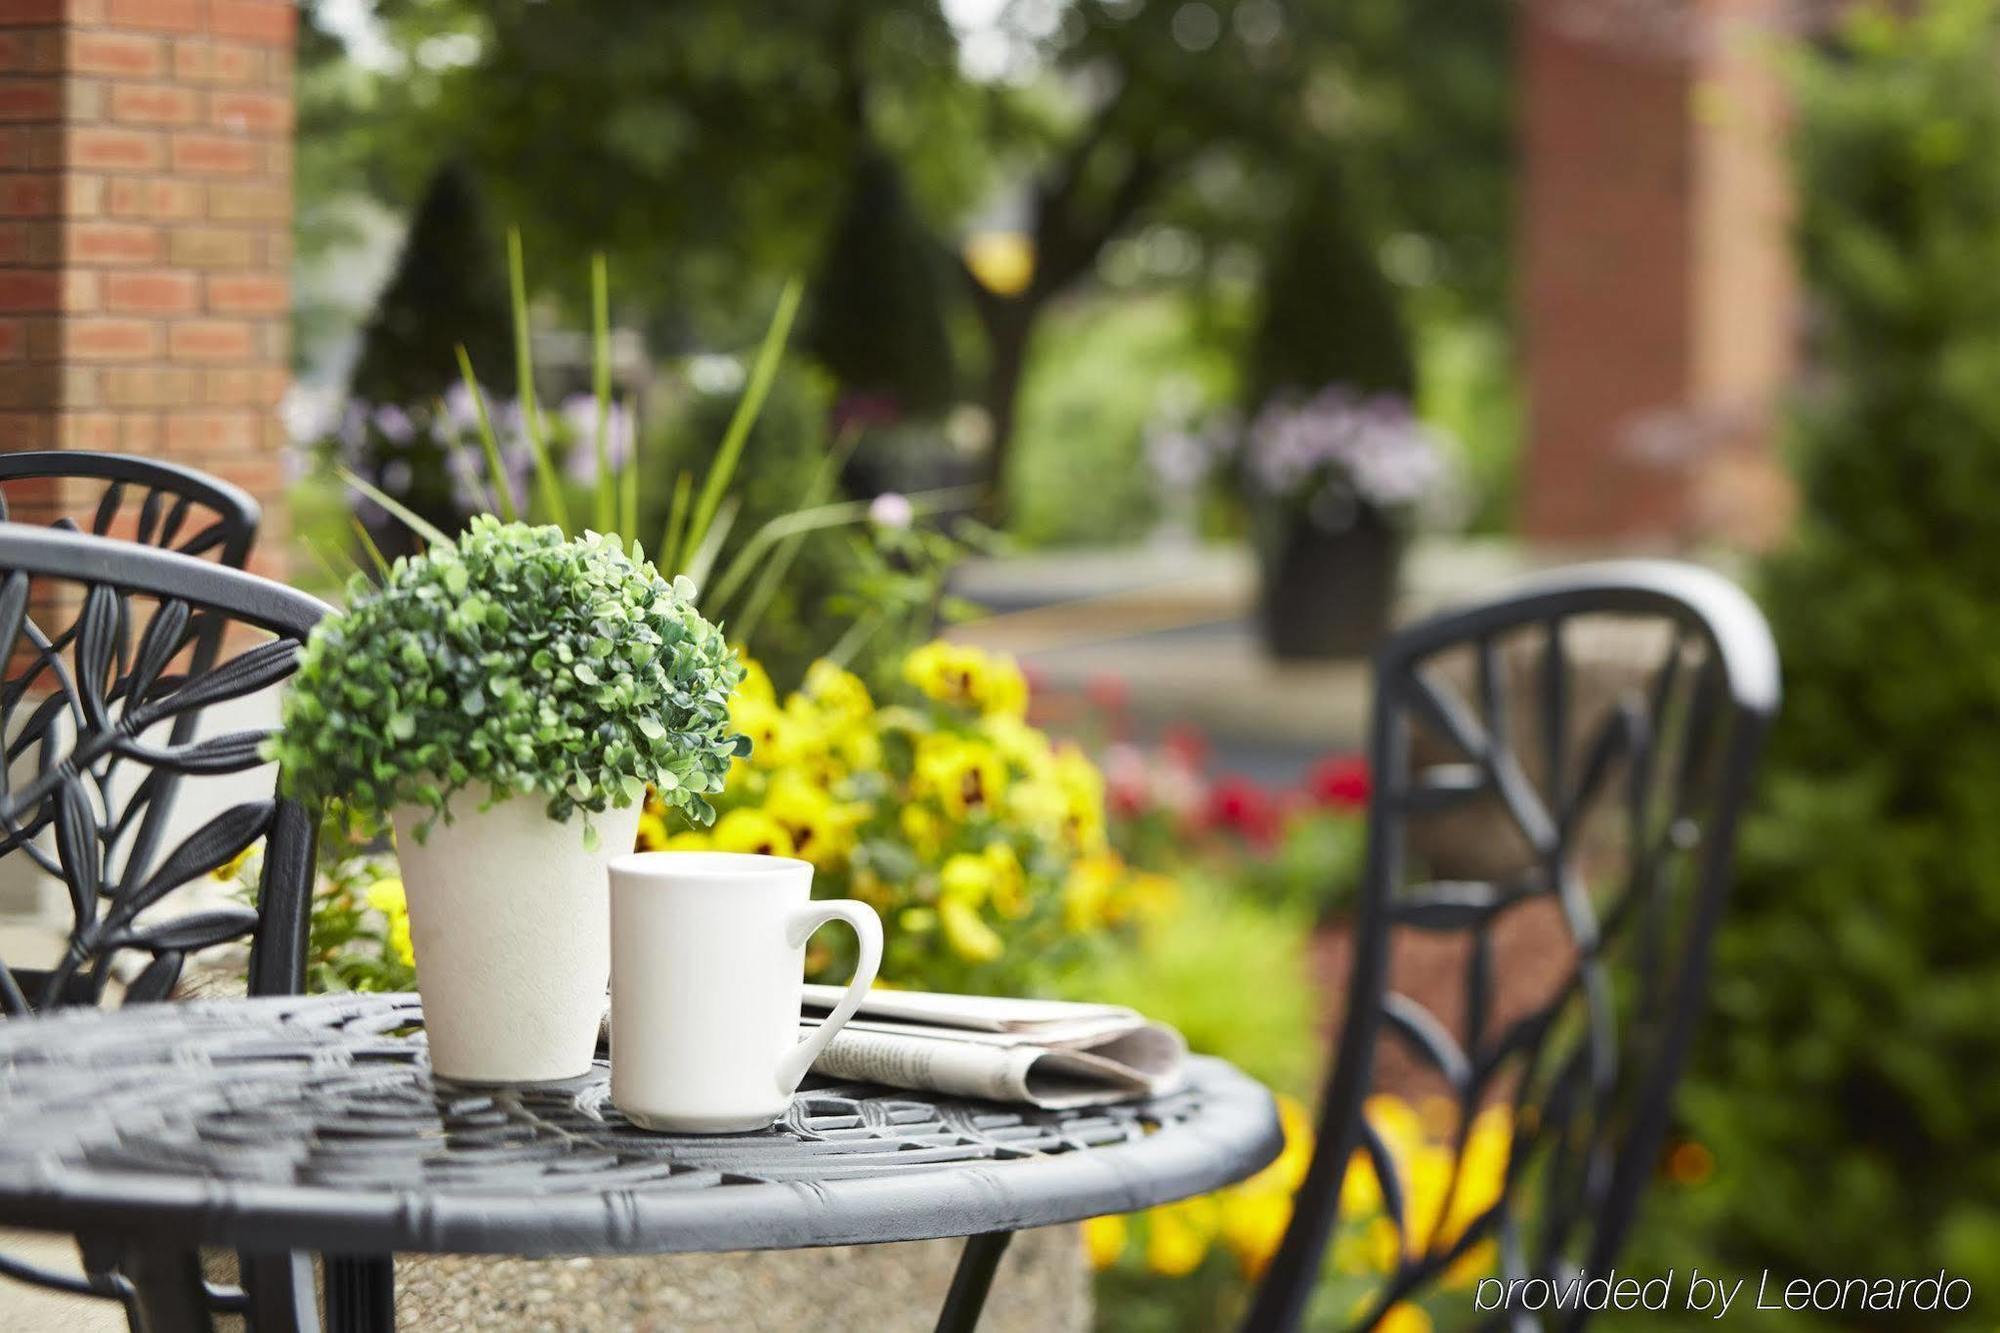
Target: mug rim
<point x="730" y="865"/>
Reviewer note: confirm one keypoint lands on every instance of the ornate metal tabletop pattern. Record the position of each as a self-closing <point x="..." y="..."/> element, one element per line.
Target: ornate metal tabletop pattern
<point x="315" y="1123"/>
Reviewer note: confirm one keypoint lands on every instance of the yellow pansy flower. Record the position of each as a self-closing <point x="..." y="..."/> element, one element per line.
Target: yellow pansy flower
<point x="1026" y="749"/>
<point x="1009" y="891"/>
<point x="967" y="932"/>
<point x="923" y="828"/>
<point x="1178" y="1235"/>
<point x="965" y="776"/>
<point x="1426" y="1178"/>
<point x="387" y="897"/>
<point x="751" y="831"/>
<point x="233" y="867"/>
<point x="399" y="940"/>
<point x="764" y="723"/>
<point x="1088" y="889"/>
<point x="1360" y="1190"/>
<point x="1482" y="1170"/>
<point x="690" y="840"/>
<point x="960" y="673"/>
<point x="1082" y="786"/>
<point x="1466" y="1270"/>
<point x="1397" y="1122"/>
<point x="1404" y="1317"/>
<point x="968" y="878"/>
<point x="840" y="694"/>
<point x="821" y="828"/>
<point x="652" y="832"/>
<point x="1253" y="1224"/>
<point x="1104" y="1239"/>
<point x="756" y="682"/>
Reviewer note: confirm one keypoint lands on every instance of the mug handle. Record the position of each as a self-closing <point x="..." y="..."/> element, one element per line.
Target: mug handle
<point x="868" y="929"/>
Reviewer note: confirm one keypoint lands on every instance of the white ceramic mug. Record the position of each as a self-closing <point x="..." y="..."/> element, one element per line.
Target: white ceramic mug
<point x="708" y="954"/>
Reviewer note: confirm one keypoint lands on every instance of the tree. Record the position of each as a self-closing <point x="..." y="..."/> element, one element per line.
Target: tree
<point x="701" y="143"/>
<point x="449" y="289"/>
<point x="1329" y="315"/>
<point x="878" y="304"/>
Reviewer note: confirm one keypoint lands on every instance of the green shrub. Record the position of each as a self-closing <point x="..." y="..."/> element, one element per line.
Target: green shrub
<point x="878" y="300"/>
<point x="1846" y="1082"/>
<point x="448" y="291"/>
<point x="520" y="659"/>
<point x="1329" y="315"/>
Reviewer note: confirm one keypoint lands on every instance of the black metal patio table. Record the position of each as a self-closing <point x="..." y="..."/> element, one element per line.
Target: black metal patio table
<point x="288" y="1126"/>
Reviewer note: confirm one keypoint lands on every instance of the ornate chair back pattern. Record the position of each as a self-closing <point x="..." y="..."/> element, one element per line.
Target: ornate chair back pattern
<point x="173" y="507"/>
<point x="97" y="713"/>
<point x="147" y="500"/>
<point x="1463" y="718"/>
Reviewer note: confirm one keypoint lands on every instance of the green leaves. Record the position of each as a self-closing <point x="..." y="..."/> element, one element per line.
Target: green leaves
<point x="519" y="659"/>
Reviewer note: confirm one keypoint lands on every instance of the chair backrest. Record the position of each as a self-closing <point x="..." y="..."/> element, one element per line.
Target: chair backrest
<point x="173" y="507"/>
<point x="104" y="665"/>
<point x="1619" y="803"/>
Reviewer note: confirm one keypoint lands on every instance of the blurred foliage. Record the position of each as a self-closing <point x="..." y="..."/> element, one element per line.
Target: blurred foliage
<point x="1467" y="390"/>
<point x="1329" y="316"/>
<point x="707" y="146"/>
<point x="1845" y="1081"/>
<point x="1101" y="372"/>
<point x="1190" y="972"/>
<point x="448" y="290"/>
<point x="878" y="304"/>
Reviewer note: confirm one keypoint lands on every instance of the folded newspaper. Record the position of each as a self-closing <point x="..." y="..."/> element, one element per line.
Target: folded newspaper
<point x="1046" y="1053"/>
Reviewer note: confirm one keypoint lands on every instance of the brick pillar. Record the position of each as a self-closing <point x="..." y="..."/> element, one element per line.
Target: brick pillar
<point x="1657" y="297"/>
<point x="145" y="233"/>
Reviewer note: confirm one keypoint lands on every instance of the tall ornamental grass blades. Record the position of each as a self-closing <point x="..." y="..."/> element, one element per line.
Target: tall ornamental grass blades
<point x="519" y="659"/>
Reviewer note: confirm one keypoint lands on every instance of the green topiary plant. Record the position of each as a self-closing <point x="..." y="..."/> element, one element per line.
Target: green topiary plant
<point x="1844" y="1078"/>
<point x="519" y="659"/>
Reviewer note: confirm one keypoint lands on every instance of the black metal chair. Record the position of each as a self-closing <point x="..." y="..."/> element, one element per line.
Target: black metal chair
<point x="1626" y="823"/>
<point x="103" y="708"/>
<point x="177" y="508"/>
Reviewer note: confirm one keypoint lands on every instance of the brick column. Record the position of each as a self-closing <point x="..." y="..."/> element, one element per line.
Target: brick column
<point x="1657" y="299"/>
<point x="145" y="233"/>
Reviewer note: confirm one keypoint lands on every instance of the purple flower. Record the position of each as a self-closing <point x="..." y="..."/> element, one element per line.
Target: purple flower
<point x="579" y="417"/>
<point x="891" y="510"/>
<point x="1338" y="447"/>
<point x="394" y="424"/>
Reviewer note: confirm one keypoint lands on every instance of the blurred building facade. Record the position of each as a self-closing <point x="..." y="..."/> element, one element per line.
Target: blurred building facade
<point x="1658" y="306"/>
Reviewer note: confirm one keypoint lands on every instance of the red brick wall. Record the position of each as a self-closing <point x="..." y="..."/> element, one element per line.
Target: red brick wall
<point x="145" y="233"/>
<point x="1657" y="302"/>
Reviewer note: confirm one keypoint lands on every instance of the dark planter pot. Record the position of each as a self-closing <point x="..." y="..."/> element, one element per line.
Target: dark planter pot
<point x="1327" y="594"/>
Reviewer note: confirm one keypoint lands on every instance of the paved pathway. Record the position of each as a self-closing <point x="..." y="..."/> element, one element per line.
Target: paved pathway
<point x="1169" y="628"/>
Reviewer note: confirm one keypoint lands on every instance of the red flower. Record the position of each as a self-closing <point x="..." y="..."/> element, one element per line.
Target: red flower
<point x="1340" y="782"/>
<point x="1108" y="691"/>
<point x="1246" y="809"/>
<point x="1186" y="745"/>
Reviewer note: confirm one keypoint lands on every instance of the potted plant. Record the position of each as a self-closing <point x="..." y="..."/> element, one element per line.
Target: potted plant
<point x="1333" y="482"/>
<point x="506" y="699"/>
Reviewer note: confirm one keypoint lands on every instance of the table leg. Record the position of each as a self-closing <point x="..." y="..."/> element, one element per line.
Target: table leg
<point x="167" y="1287"/>
<point x="360" y="1293"/>
<point x="280" y="1291"/>
<point x="974" y="1278"/>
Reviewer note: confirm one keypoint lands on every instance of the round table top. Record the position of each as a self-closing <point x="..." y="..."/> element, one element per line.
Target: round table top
<point x="315" y="1123"/>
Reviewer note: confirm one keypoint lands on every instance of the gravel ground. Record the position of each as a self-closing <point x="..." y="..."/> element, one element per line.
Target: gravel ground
<point x="1043" y="1287"/>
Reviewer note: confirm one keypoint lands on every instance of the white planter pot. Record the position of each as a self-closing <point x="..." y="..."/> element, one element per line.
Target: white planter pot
<point x="510" y="918"/>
